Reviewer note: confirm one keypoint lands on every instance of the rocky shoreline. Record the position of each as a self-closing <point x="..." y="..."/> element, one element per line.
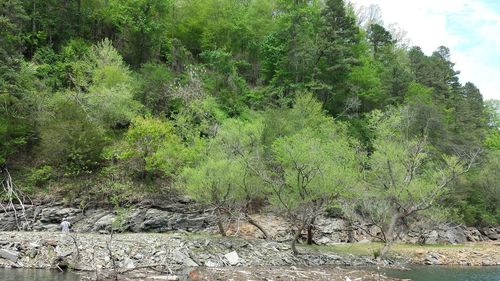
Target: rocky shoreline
<point x="138" y="256"/>
<point x="179" y="241"/>
<point x="184" y="216"/>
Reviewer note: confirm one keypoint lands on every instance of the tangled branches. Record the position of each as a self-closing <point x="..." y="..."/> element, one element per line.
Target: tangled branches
<point x="12" y="199"/>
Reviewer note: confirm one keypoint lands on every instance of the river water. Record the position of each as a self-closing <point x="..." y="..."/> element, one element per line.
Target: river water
<point x="419" y="273"/>
<point x="447" y="273"/>
<point x="36" y="275"/>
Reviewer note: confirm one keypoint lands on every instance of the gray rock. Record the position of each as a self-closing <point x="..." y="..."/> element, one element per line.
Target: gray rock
<point x="183" y="259"/>
<point x="128" y="263"/>
<point x="56" y="214"/>
<point x="8" y="222"/>
<point x="11" y="255"/>
<point x="104" y="223"/>
<point x="212" y="264"/>
<point x="324" y="241"/>
<point x="162" y="221"/>
<point x="432" y="259"/>
<point x="491" y="233"/>
<point x="473" y="235"/>
<point x="165" y="277"/>
<point x="232" y="258"/>
<point x="432" y="237"/>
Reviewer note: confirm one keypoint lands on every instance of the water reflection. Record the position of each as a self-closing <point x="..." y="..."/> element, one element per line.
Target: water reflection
<point x="447" y="273"/>
<point x="36" y="275"/>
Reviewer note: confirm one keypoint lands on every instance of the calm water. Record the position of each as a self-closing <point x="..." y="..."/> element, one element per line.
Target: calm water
<point x="444" y="273"/>
<point x="36" y="275"/>
<point x="421" y="273"/>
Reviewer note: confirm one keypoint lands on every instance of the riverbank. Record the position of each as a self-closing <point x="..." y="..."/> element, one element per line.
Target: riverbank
<point x="143" y="255"/>
<point x="187" y="216"/>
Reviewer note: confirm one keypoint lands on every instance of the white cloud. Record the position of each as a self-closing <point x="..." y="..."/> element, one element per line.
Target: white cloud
<point x="469" y="28"/>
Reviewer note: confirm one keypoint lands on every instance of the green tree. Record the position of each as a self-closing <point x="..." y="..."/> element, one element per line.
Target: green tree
<point x="312" y="164"/>
<point x="336" y="55"/>
<point x="68" y="139"/>
<point x="152" y="148"/>
<point x="156" y="90"/>
<point x="405" y="177"/>
<point x="143" y="28"/>
<point x="311" y="173"/>
<point x="227" y="177"/>
<point x="16" y="82"/>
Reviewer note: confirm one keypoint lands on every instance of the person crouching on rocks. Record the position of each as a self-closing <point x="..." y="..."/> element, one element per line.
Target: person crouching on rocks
<point x="65" y="225"/>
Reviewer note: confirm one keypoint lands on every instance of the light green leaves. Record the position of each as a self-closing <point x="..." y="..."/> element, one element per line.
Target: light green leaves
<point x="155" y="142"/>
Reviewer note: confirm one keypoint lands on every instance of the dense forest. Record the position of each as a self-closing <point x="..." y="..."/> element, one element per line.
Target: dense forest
<point x="299" y="106"/>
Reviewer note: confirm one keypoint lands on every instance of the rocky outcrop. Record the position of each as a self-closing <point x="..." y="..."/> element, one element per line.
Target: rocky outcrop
<point x="170" y="218"/>
<point x="123" y="252"/>
<point x="184" y="216"/>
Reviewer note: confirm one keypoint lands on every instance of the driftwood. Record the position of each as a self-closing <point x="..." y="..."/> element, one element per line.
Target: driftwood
<point x="12" y="199"/>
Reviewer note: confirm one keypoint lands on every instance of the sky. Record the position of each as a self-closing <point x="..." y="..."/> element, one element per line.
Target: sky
<point x="470" y="28"/>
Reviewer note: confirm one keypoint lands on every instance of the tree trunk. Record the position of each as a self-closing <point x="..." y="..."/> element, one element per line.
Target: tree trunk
<point x="220" y="225"/>
<point x="296" y="237"/>
<point x="390" y="235"/>
<point x="310" y="232"/>
<point x="385" y="249"/>
<point x="256" y="224"/>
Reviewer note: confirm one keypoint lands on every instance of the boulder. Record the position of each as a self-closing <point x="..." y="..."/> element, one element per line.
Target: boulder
<point x="232" y="258"/>
<point x="104" y="223"/>
<point x="183" y="259"/>
<point x="7" y="222"/>
<point x="454" y="235"/>
<point x="156" y="220"/>
<point x="473" y="235"/>
<point x="10" y="255"/>
<point x="432" y="237"/>
<point x="491" y="232"/>
<point x="56" y="214"/>
<point x="432" y="259"/>
<point x="162" y="221"/>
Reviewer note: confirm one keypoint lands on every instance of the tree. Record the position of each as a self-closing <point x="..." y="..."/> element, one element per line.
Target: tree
<point x="477" y="196"/>
<point x="241" y="139"/>
<point x="336" y="54"/>
<point x="15" y="84"/>
<point x="68" y="139"/>
<point x="310" y="168"/>
<point x="406" y="176"/>
<point x="227" y="178"/>
<point x="143" y="28"/>
<point x="492" y="139"/>
<point x="213" y="183"/>
<point x="152" y="148"/>
<point x="156" y="89"/>
<point x="104" y="87"/>
<point x="379" y="37"/>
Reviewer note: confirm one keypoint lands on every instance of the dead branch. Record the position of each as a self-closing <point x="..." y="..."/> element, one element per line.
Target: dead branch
<point x="14" y="199"/>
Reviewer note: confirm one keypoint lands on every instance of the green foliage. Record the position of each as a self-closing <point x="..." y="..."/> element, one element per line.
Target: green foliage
<point x="227" y="176"/>
<point x="155" y="91"/>
<point x="77" y="78"/>
<point x="406" y="175"/>
<point x="142" y="26"/>
<point x="478" y="196"/>
<point x="200" y="117"/>
<point x="40" y="176"/>
<point x="108" y="86"/>
<point x="312" y="165"/>
<point x="69" y="139"/>
<point x="224" y="80"/>
<point x="152" y="147"/>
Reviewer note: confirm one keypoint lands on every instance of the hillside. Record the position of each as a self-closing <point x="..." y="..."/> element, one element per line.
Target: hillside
<point x="298" y="107"/>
